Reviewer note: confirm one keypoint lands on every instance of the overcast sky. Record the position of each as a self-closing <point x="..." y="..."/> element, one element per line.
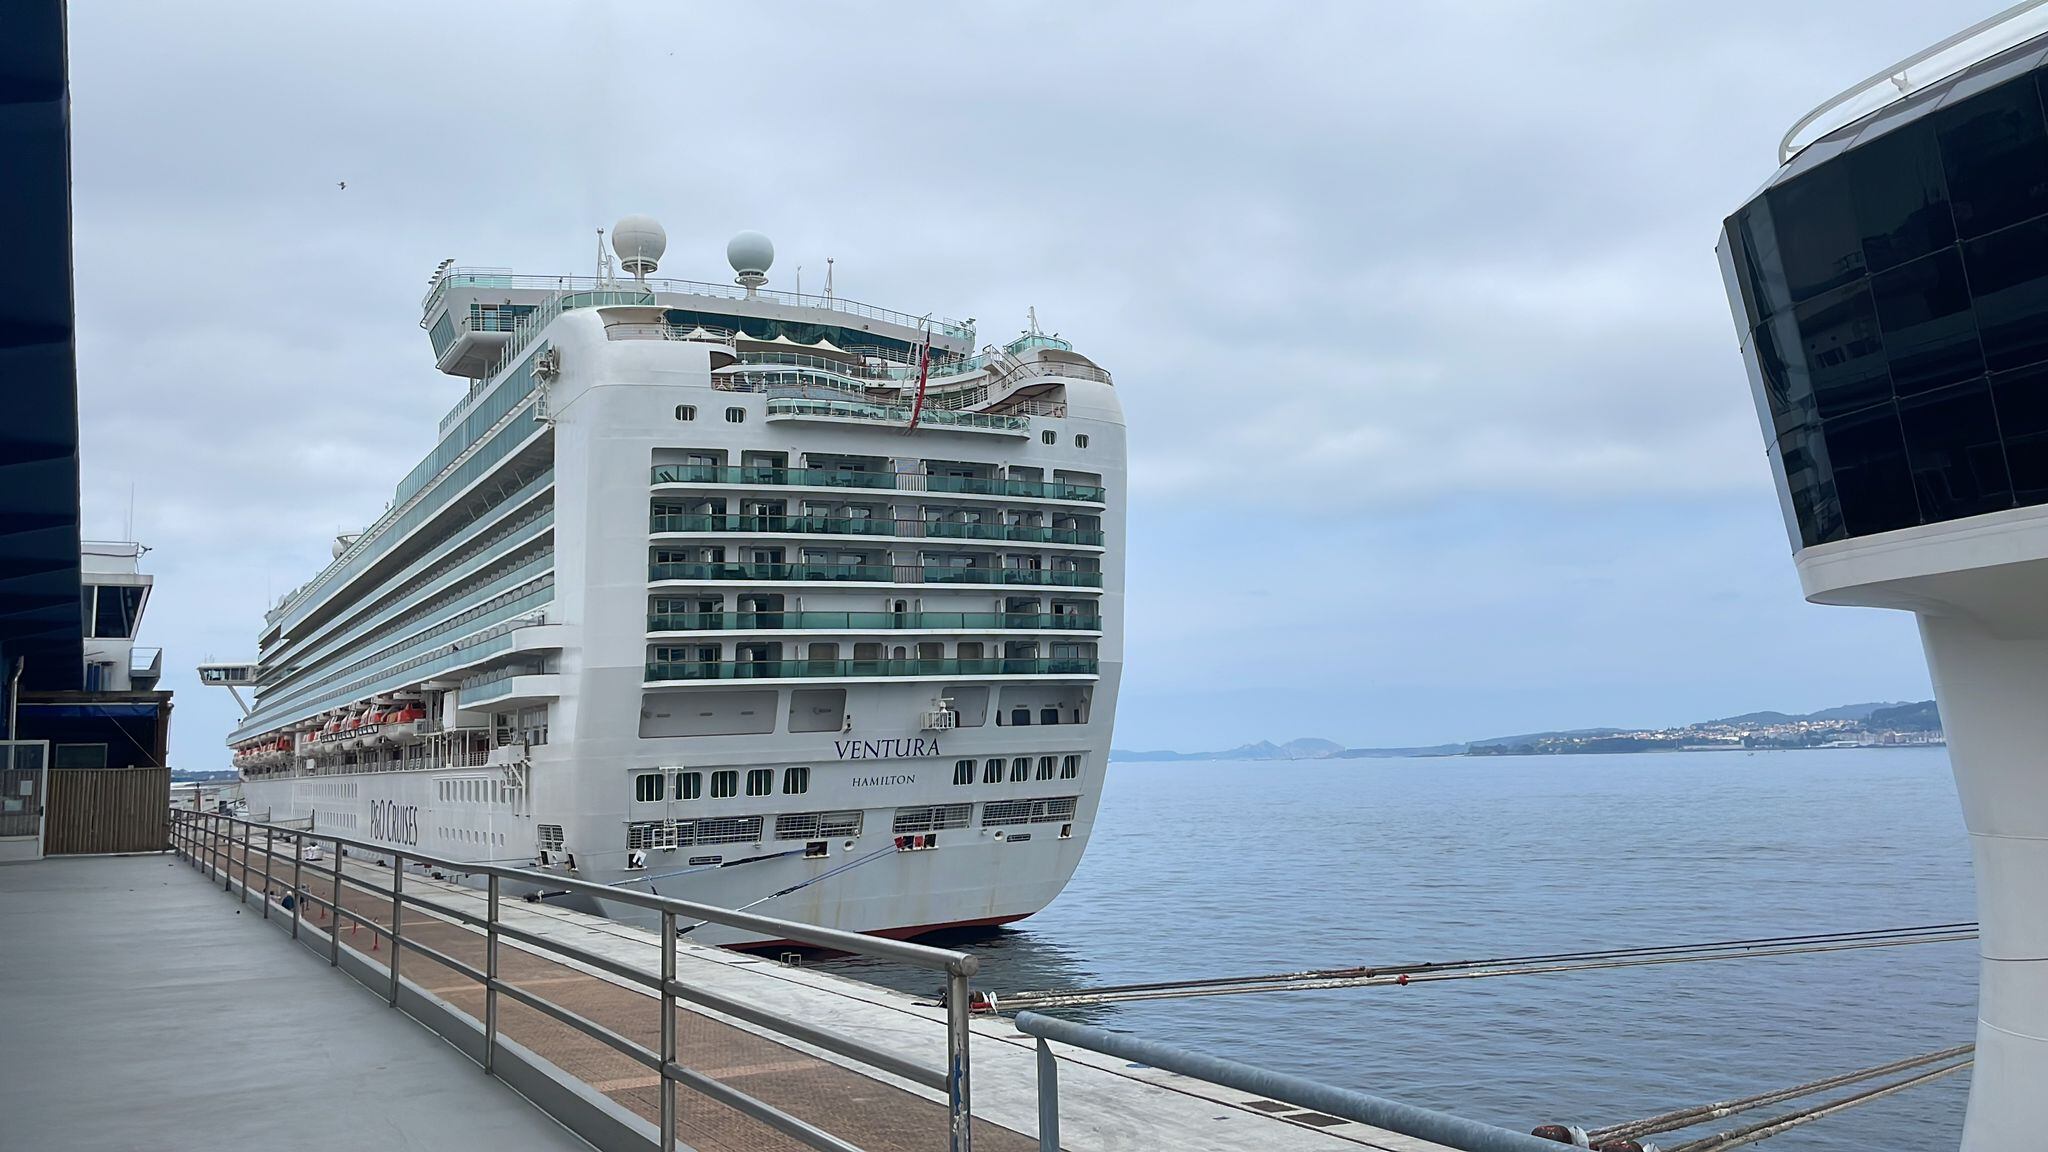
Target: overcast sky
<point x="1438" y="429"/>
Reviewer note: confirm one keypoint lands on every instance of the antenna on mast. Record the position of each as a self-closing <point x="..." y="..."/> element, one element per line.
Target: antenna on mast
<point x="1032" y="314"/>
<point x="604" y="260"/>
<point x="799" y="279"/>
<point x="828" y="277"/>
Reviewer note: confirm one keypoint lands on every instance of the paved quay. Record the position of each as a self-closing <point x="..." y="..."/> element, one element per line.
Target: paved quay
<point x="1107" y="1105"/>
<point x="147" y="1011"/>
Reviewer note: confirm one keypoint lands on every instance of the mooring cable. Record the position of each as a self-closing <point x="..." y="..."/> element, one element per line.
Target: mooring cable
<point x="1527" y="964"/>
<point x="1700" y="1114"/>
<point x="1764" y="1129"/>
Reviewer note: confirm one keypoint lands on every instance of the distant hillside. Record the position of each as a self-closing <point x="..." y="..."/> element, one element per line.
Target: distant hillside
<point x="1840" y="712"/>
<point x="1921" y="717"/>
<point x="1872" y="717"/>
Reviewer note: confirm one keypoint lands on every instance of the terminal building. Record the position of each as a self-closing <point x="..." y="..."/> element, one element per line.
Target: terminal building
<point x="1890" y="289"/>
<point x="83" y="728"/>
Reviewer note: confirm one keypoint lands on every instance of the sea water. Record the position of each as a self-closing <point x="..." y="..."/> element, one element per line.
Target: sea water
<point x="1225" y="868"/>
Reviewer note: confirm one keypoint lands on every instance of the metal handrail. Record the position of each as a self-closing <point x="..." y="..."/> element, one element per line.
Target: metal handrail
<point x="501" y="278"/>
<point x="1897" y="82"/>
<point x="1406" y="1119"/>
<point x="206" y="840"/>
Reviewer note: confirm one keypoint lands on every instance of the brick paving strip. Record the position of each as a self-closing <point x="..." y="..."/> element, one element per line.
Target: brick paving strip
<point x="866" y="1111"/>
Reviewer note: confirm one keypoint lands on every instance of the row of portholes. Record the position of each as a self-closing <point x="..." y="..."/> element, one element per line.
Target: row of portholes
<point x="474" y="791"/>
<point x="472" y="836"/>
<point x="652" y="787"/>
<point x="732" y="415"/>
<point x="1051" y="437"/>
<point x="1019" y="770"/>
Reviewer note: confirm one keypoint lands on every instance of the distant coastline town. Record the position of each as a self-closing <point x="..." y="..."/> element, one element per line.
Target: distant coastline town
<point x="1875" y="725"/>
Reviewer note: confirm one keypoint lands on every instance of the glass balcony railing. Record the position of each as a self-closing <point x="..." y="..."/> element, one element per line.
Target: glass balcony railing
<point x="765" y="474"/>
<point x="885" y="573"/>
<point x="690" y="570"/>
<point x="870" y="621"/>
<point x="663" y="670"/>
<point x="993" y="486"/>
<point x="1039" y="576"/>
<point x="872" y="526"/>
<point x="804" y="525"/>
<point x="824" y="478"/>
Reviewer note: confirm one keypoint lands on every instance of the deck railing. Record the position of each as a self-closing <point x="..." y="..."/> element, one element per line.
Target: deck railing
<point x="1931" y="65"/>
<point x="223" y="846"/>
<point x="661" y="670"/>
<point x="871" y="621"/>
<point x="760" y="474"/>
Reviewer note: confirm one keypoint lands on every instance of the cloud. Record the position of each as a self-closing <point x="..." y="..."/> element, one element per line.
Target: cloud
<point x="1351" y="263"/>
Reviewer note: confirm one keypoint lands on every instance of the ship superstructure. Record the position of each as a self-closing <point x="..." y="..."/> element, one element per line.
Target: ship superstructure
<point x="723" y="590"/>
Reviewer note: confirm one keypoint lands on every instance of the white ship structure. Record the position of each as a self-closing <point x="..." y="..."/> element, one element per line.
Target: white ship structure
<point x="744" y="596"/>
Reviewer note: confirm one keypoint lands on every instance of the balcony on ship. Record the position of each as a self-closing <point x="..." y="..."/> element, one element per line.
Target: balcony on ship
<point x="839" y="660"/>
<point x="711" y="470"/>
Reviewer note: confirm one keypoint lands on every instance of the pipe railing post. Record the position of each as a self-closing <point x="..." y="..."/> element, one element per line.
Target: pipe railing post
<point x="491" y="979"/>
<point x="1048" y="1098"/>
<point x="298" y="898"/>
<point x="959" y="1102"/>
<point x="269" y="867"/>
<point x="397" y="913"/>
<point x="246" y="841"/>
<point x="334" y="911"/>
<point x="668" y="1030"/>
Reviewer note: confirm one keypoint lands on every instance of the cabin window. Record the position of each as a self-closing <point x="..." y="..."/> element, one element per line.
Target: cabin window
<point x="725" y="784"/>
<point x="796" y="780"/>
<point x="1070" y="768"/>
<point x="689" y="785"/>
<point x="1045" y="766"/>
<point x="1020" y="717"/>
<point x="1020" y="769"/>
<point x="648" y="787"/>
<point x="1081" y="440"/>
<point x="993" y="773"/>
<point x="1049" y="436"/>
<point x="963" y="771"/>
<point x="1048" y="715"/>
<point x="735" y="415"/>
<point x="760" y="781"/>
<point x="686" y="411"/>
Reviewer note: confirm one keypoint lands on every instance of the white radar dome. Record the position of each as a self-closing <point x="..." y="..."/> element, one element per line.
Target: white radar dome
<point x="640" y="242"/>
<point x="750" y="254"/>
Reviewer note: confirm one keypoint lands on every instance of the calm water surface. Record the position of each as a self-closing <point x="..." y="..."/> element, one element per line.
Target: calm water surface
<point x="1222" y="868"/>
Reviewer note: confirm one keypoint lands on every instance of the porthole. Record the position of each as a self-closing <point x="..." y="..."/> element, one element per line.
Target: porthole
<point x="1049" y="436"/>
<point x="735" y="415"/>
<point x="686" y="411"/>
<point x="1081" y="440"/>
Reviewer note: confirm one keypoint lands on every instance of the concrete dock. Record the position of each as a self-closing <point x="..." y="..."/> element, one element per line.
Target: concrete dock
<point x="142" y="1012"/>
<point x="1106" y="1105"/>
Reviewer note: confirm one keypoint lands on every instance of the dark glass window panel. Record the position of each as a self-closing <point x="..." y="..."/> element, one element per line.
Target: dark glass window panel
<point x="1843" y="354"/>
<point x="1819" y="245"/>
<point x="1788" y="385"/>
<point x="1994" y="154"/>
<point x="1901" y="204"/>
<point x="115" y="615"/>
<point x="1734" y="253"/>
<point x="2008" y="273"/>
<point x="1930" y="334"/>
<point x="1762" y="269"/>
<point x="1872" y="479"/>
<point x="2022" y="402"/>
<point x="1811" y="483"/>
<point x="1952" y="444"/>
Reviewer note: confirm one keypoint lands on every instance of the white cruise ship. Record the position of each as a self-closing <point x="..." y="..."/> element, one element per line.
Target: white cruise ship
<point x="750" y="597"/>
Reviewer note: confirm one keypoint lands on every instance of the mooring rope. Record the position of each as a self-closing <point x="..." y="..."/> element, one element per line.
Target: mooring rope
<point x="1530" y="964"/>
<point x="1702" y="1113"/>
<point x="1765" y="1129"/>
